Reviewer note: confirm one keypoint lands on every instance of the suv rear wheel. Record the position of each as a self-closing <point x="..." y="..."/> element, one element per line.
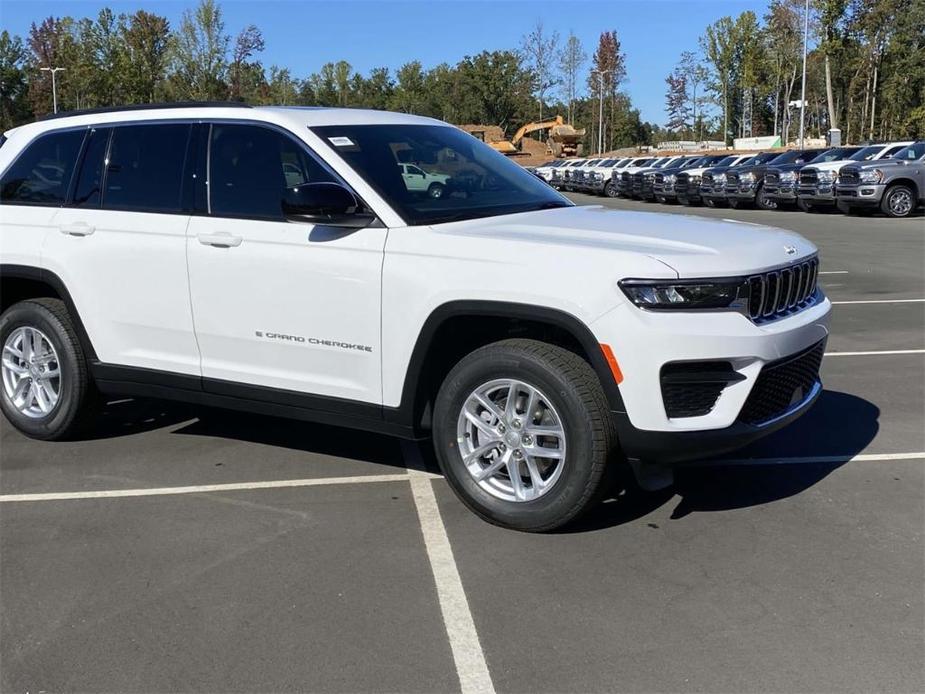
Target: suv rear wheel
<point x="898" y="201"/>
<point x="522" y="432"/>
<point x="46" y="391"/>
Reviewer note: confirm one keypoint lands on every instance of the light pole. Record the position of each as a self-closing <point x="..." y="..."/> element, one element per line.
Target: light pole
<point x="803" y="94"/>
<point x="54" y="85"/>
<point x="600" y="115"/>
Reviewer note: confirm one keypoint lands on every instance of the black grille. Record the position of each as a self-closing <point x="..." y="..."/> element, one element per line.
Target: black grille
<point x="732" y="181"/>
<point x="778" y="293"/>
<point x="782" y="385"/>
<point x="772" y="177"/>
<point x="691" y="389"/>
<point x="681" y="183"/>
<point x="706" y="183"/>
<point x="809" y="177"/>
<point x="849" y="177"/>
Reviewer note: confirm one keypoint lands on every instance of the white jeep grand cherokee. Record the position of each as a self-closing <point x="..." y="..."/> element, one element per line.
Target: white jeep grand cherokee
<point x="277" y="260"/>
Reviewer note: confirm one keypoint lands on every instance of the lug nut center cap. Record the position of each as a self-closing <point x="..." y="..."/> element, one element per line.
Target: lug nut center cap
<point x="512" y="439"/>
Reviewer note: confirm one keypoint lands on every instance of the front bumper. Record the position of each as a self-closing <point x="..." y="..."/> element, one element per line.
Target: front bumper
<point x="744" y="191"/>
<point x="781" y="192"/>
<point x="820" y="194"/>
<point x="645" y="341"/>
<point x="862" y="194"/>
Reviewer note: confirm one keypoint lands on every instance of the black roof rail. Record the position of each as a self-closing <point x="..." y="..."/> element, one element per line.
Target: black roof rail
<point x="144" y="107"/>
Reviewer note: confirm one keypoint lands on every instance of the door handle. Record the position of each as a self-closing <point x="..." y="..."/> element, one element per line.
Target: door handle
<point x="77" y="229"/>
<point x="220" y="239"/>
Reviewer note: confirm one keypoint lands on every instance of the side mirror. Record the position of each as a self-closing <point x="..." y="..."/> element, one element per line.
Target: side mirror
<point x="328" y="204"/>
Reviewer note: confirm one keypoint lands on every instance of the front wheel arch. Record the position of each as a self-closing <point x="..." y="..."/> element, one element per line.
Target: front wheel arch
<point x="438" y="348"/>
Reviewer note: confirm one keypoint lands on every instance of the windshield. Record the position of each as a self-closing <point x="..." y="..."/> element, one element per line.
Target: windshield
<point x="867" y="153"/>
<point x="911" y="153"/>
<point x="791" y="157"/>
<point x="458" y="177"/>
<point x="765" y="157"/>
<point x="836" y="154"/>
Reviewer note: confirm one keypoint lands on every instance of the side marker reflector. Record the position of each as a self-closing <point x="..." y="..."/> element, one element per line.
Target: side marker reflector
<point x="612" y="363"/>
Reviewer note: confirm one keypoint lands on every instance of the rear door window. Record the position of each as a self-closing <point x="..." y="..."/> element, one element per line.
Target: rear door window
<point x="88" y="192"/>
<point x="145" y="168"/>
<point x="41" y="174"/>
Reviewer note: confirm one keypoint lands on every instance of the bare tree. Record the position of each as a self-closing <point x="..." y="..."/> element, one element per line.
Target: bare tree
<point x="539" y="51"/>
<point x="571" y="58"/>
<point x="692" y="70"/>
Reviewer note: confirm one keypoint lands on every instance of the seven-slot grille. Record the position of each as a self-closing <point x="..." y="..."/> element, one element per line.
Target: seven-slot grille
<point x="849" y="177"/>
<point x="809" y="177"/>
<point x="732" y="181"/>
<point x="783" y="385"/>
<point x="781" y="292"/>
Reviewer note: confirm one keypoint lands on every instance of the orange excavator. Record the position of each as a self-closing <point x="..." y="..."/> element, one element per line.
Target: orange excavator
<point x="563" y="139"/>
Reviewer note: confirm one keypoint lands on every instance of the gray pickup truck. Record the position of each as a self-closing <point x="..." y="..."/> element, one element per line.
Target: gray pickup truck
<point x="895" y="185"/>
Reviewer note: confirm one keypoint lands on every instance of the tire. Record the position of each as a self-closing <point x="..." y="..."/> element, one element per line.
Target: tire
<point x="570" y="398"/>
<point x="898" y="201"/>
<point x="805" y="206"/>
<point x="734" y="204"/>
<point x="710" y="202"/>
<point x="75" y="402"/>
<point x="762" y="201"/>
<point x="661" y="199"/>
<point x="435" y="190"/>
<point x="610" y="190"/>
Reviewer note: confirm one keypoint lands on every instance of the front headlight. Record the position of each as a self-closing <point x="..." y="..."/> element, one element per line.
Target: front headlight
<point x="721" y="179"/>
<point x="788" y="176"/>
<point x="670" y="178"/>
<point x="747" y="177"/>
<point x="872" y="176"/>
<point x="649" y="177"/>
<point x="686" y="294"/>
<point x="694" y="180"/>
<point x="825" y="176"/>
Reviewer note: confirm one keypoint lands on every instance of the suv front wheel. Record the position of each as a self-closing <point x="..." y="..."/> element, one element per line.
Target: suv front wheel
<point x="46" y="391"/>
<point x="522" y="432"/>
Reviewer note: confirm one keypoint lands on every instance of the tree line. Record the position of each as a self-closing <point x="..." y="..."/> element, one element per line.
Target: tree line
<point x="117" y="59"/>
<point x="865" y="73"/>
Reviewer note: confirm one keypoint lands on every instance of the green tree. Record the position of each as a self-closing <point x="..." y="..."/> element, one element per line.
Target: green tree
<point x="147" y="39"/>
<point x="200" y="54"/>
<point x="14" y="108"/>
<point x="493" y="88"/>
<point x="719" y="47"/>
<point x="408" y="95"/>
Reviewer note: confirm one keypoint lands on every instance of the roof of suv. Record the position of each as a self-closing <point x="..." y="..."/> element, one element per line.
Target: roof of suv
<point x="298" y="116"/>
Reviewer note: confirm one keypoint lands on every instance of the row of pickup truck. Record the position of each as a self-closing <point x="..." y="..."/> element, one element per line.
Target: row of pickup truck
<point x="887" y="176"/>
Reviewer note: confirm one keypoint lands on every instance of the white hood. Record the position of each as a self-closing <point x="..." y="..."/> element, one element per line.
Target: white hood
<point x="692" y="246"/>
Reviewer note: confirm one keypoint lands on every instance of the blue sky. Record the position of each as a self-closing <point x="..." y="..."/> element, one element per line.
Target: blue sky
<point x="303" y="35"/>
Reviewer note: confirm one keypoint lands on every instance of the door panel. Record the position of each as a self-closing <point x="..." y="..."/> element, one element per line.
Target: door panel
<point x="126" y="268"/>
<point x="279" y="304"/>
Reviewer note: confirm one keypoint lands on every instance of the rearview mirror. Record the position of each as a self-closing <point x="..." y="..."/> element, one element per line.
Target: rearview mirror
<point x="328" y="204"/>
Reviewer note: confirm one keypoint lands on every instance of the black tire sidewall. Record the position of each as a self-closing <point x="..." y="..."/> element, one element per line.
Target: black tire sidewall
<point x="885" y="205"/>
<point x="569" y="490"/>
<point x="435" y="187"/>
<point x="71" y="388"/>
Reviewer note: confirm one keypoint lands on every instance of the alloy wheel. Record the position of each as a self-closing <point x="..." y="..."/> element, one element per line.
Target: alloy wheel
<point x="31" y="372"/>
<point x="512" y="440"/>
<point x="900" y="202"/>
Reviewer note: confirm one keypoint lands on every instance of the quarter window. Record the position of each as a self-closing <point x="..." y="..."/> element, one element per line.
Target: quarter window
<point x="251" y="166"/>
<point x="42" y="173"/>
<point x="145" y="169"/>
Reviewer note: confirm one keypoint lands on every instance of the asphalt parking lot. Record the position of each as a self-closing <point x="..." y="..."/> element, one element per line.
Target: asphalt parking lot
<point x="191" y="550"/>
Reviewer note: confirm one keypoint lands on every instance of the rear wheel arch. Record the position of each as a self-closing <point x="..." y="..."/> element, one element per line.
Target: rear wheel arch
<point x="20" y="282"/>
<point x="455" y="329"/>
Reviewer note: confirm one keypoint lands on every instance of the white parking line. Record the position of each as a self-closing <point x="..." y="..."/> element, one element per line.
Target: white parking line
<point x="879" y="301"/>
<point x="834" y="272"/>
<point x="204" y="488"/>
<point x="468" y="655"/>
<point x="861" y="458"/>
<point x="880" y="352"/>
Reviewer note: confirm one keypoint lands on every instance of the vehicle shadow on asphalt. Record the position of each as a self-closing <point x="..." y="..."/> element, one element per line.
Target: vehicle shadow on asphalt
<point x="840" y="425"/>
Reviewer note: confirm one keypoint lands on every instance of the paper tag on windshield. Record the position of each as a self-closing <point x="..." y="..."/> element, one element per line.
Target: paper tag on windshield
<point x="341" y="141"/>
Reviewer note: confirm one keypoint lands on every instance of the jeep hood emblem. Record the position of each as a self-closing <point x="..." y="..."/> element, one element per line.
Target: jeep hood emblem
<point x="790" y="250"/>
